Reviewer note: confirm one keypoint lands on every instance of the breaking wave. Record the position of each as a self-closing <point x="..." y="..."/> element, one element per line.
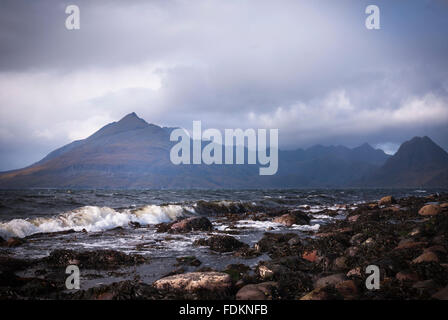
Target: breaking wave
<point x="92" y="219"/>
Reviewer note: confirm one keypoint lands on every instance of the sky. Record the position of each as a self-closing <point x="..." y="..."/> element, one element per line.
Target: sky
<point x="308" y="68"/>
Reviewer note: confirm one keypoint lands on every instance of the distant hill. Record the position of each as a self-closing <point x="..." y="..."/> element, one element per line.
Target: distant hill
<point x="418" y="163"/>
<point x="132" y="153"/>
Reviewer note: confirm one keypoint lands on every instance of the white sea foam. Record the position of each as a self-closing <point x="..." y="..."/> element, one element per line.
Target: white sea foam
<point x="92" y="219"/>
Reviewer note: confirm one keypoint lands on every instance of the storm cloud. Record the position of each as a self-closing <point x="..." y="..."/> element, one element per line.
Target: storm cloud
<point x="309" y="68"/>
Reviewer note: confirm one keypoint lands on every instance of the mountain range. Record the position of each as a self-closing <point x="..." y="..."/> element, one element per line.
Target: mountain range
<point x="132" y="153"/>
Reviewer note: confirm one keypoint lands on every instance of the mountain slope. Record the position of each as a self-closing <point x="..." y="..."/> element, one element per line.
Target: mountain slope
<point x="132" y="153"/>
<point x="418" y="163"/>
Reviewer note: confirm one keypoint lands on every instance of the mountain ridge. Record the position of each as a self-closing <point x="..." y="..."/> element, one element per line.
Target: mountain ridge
<point x="132" y="153"/>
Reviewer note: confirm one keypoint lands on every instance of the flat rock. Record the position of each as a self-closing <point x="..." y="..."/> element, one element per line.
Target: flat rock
<point x="192" y="281"/>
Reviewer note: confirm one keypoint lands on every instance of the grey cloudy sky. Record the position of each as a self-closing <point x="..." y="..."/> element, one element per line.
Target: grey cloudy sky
<point x="309" y="68"/>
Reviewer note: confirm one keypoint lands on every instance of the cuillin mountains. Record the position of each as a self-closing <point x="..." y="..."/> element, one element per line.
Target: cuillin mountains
<point x="132" y="153"/>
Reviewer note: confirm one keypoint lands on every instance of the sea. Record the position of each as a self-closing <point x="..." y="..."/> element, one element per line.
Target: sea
<point x="125" y="220"/>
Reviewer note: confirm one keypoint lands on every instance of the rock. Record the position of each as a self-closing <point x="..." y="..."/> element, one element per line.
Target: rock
<point x="189" y="261"/>
<point x="340" y="263"/>
<point x="192" y="281"/>
<point x="276" y="243"/>
<point x="427" y="256"/>
<point x="330" y="280"/>
<point x="386" y="200"/>
<point x="347" y="289"/>
<point x="295" y="217"/>
<point x="354" y="272"/>
<point x="192" y="224"/>
<point x="2" y="240"/>
<point x="430" y="210"/>
<point x="425" y="284"/>
<point x="442" y="294"/>
<point x="351" y="251"/>
<point x="12" y="242"/>
<point x="311" y="256"/>
<point x="98" y="259"/>
<point x="265" y="272"/>
<point x="260" y="291"/>
<point x="407" y="276"/>
<point x="221" y="243"/>
<point x="435" y="249"/>
<point x="369" y="242"/>
<point x="316" y="294"/>
<point x="357" y="239"/>
<point x="444" y="205"/>
<point x="354" y="218"/>
<point x="409" y="243"/>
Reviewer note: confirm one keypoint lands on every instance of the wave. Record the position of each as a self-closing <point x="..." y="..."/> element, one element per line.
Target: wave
<point x="93" y="219"/>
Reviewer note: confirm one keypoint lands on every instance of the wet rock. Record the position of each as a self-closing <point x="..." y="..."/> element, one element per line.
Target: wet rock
<point x="427" y="256"/>
<point x="2" y="240"/>
<point x="237" y="271"/>
<point x="12" y="242"/>
<point x="192" y="224"/>
<point x="442" y="294"/>
<point x="387" y="200"/>
<point x="319" y="294"/>
<point x="311" y="256"/>
<point x="444" y="205"/>
<point x="260" y="291"/>
<point x="409" y="243"/>
<point x="330" y="280"/>
<point x="265" y="272"/>
<point x="425" y="284"/>
<point x="340" y="263"/>
<point x="354" y="218"/>
<point x="134" y="224"/>
<point x="99" y="259"/>
<point x="407" y="276"/>
<point x="295" y="217"/>
<point x="352" y="251"/>
<point x="221" y="243"/>
<point x="189" y="261"/>
<point x="277" y="244"/>
<point x="430" y="210"/>
<point x="347" y="289"/>
<point x="355" y="272"/>
<point x="190" y="282"/>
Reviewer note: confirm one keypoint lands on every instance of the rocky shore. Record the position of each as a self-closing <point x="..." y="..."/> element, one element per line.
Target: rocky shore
<point x="407" y="239"/>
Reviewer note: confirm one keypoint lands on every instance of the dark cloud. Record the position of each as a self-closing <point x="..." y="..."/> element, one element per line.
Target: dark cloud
<point x="309" y="68"/>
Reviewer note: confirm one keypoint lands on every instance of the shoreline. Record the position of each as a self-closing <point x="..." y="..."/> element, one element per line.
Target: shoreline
<point x="409" y="248"/>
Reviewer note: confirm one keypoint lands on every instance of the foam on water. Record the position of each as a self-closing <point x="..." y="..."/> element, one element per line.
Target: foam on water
<point x="92" y="219"/>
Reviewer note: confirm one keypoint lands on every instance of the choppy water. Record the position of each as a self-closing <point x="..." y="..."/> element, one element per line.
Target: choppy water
<point x="99" y="212"/>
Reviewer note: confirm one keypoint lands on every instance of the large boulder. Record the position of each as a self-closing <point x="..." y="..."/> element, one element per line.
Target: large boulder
<point x="260" y="291"/>
<point x="193" y="281"/>
<point x="192" y="224"/>
<point x="430" y="210"/>
<point x="294" y="217"/>
<point x="221" y="243"/>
